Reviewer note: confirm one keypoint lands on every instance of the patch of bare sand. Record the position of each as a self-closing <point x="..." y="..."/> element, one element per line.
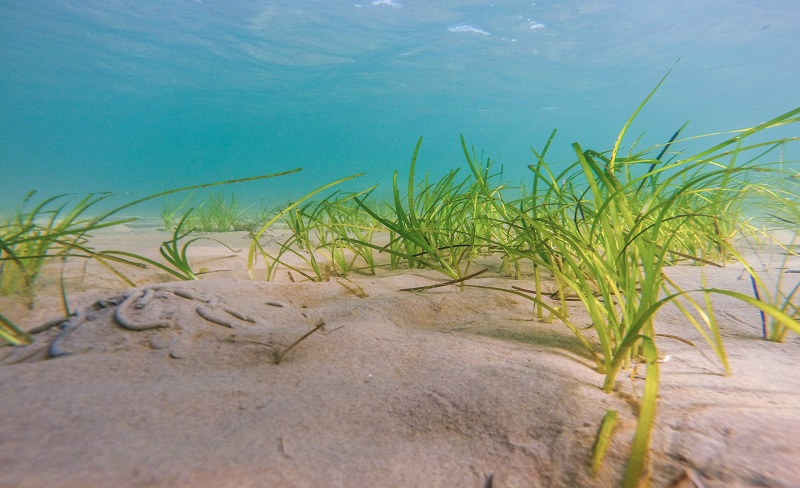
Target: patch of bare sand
<point x="448" y="387"/>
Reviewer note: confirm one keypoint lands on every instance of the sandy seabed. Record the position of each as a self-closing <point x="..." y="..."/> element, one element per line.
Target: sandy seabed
<point x="448" y="387"/>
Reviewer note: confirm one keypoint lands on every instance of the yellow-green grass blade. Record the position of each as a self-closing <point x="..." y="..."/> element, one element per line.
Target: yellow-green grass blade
<point x="411" y="235"/>
<point x="12" y="334"/>
<point x="717" y="347"/>
<point x="174" y="272"/>
<point x="603" y="439"/>
<point x="411" y="209"/>
<point x="276" y="260"/>
<point x="779" y="316"/>
<point x="711" y="320"/>
<point x="257" y="235"/>
<point x="643" y="316"/>
<point x="636" y="473"/>
<point x="632" y="337"/>
<point x="631" y="119"/>
<point x="789" y="117"/>
<point x="193" y="187"/>
<point x="584" y="342"/>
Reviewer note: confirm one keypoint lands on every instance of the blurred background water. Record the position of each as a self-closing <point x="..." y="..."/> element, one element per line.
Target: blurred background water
<point x="139" y="96"/>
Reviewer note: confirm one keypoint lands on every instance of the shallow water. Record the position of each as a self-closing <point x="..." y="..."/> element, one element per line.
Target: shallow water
<point x="129" y="96"/>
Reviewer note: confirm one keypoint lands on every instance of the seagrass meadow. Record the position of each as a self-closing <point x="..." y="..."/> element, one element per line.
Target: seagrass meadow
<point x="451" y="243"/>
<point x="582" y="328"/>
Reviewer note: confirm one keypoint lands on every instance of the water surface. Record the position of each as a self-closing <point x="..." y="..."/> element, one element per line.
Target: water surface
<point x="132" y="96"/>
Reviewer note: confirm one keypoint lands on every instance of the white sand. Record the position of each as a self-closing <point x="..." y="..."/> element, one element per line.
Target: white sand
<point x="447" y="387"/>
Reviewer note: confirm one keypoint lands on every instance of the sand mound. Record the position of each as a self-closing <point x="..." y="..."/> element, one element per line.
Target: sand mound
<point x="178" y="384"/>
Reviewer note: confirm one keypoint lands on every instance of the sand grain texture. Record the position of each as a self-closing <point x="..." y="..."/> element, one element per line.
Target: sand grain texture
<point x="443" y="388"/>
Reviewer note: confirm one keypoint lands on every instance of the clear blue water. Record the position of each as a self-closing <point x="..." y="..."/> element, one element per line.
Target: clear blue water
<point x="139" y="96"/>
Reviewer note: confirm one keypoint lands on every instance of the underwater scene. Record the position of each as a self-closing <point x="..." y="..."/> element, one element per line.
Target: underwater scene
<point x="400" y="243"/>
<point x="126" y="96"/>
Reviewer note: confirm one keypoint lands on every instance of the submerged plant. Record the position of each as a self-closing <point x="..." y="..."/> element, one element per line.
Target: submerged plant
<point x="54" y="229"/>
<point x="442" y="225"/>
<point x="172" y="209"/>
<point x="783" y="294"/>
<point x="255" y="246"/>
<point x="12" y="334"/>
<point x="174" y="255"/>
<point x="330" y="236"/>
<point x="217" y="212"/>
<point x="625" y="229"/>
<point x="606" y="228"/>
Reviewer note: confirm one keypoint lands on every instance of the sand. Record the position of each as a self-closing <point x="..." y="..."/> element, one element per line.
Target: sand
<point x="447" y="387"/>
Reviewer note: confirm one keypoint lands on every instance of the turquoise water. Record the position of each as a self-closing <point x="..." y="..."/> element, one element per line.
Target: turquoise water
<point x="138" y="96"/>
